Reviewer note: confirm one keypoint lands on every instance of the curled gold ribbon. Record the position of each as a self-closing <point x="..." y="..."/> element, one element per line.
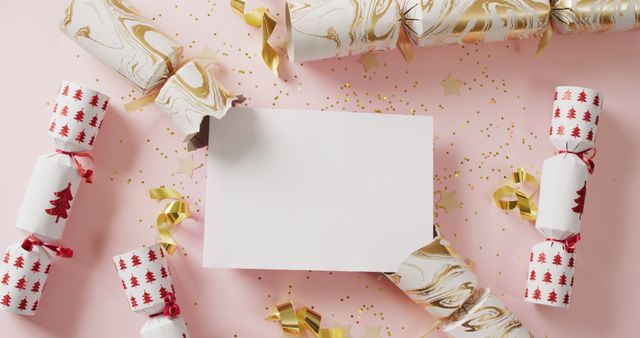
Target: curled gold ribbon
<point x="503" y="196"/>
<point x="404" y="43"/>
<point x="260" y="18"/>
<point x="295" y="322"/>
<point x="173" y="213"/>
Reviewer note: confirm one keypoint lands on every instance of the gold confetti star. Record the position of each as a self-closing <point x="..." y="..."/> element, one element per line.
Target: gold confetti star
<point x="372" y="332"/>
<point x="186" y="165"/>
<point x="369" y="61"/>
<point x="451" y="85"/>
<point x="447" y="200"/>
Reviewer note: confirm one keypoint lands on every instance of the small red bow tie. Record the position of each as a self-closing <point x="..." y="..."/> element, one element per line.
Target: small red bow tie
<point x="171" y="309"/>
<point x="87" y="174"/>
<point x="32" y="240"/>
<point x="569" y="242"/>
<point x="588" y="160"/>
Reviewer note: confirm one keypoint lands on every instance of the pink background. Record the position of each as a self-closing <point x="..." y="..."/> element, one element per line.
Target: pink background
<point x="498" y="122"/>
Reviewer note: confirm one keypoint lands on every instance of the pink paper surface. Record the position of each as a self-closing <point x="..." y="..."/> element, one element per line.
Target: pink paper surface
<point x="499" y="122"/>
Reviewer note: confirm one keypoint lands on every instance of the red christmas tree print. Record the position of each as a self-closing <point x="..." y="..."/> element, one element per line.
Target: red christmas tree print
<point x="567" y="95"/>
<point x="557" y="113"/>
<point x="65" y="91"/>
<point x="123" y="265"/>
<point x="21" y="284"/>
<point x="5" y="279"/>
<point x="65" y="111"/>
<point x="560" y="131"/>
<point x="551" y="130"/>
<point x="547" y="277"/>
<point x="552" y="297"/>
<point x="586" y="117"/>
<point x="19" y="263"/>
<point x="61" y="205"/>
<point x="590" y="135"/>
<point x="575" y="132"/>
<point x="134" y="282"/>
<point x="596" y="101"/>
<point x="78" y="95"/>
<point x="81" y="136"/>
<point x="557" y="259"/>
<point x="582" y="97"/>
<point x="161" y="253"/>
<point x="91" y="140"/>
<point x="555" y="96"/>
<point x="52" y="127"/>
<point x="146" y="298"/>
<point x="163" y="272"/>
<point x="94" y="121"/>
<point x="23" y="304"/>
<point x="531" y="257"/>
<point x="6" y="258"/>
<point x="562" y="280"/>
<point x="597" y="119"/>
<point x="526" y="293"/>
<point x="6" y="300"/>
<point x="94" y="100"/>
<point x="79" y="116"/>
<point x="36" y="287"/>
<point x="571" y="284"/>
<point x="135" y="260"/>
<point x="55" y="108"/>
<point x="36" y="266"/>
<point x="173" y="290"/>
<point x="570" y="262"/>
<point x="134" y="302"/>
<point x="163" y="292"/>
<point x="150" y="277"/>
<point x="104" y="105"/>
<point x="566" y="299"/>
<point x="542" y="258"/>
<point x="124" y="286"/>
<point x="152" y="255"/>
<point x="582" y="192"/>
<point x="571" y="114"/>
<point x="64" y="131"/>
<point x="35" y="306"/>
<point x="536" y="294"/>
<point x="46" y="270"/>
<point x="532" y="275"/>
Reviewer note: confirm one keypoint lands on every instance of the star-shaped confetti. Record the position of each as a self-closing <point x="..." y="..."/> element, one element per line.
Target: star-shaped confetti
<point x="447" y="200"/>
<point x="451" y="85"/>
<point x="186" y="165"/>
<point x="372" y="332"/>
<point x="369" y="61"/>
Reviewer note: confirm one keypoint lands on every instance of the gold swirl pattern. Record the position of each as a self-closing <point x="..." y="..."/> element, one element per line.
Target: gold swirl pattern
<point x="190" y="97"/>
<point x="445" y="22"/>
<point x="590" y="16"/>
<point x="484" y="315"/>
<point x="119" y="37"/>
<point x="436" y="278"/>
<point x="320" y="29"/>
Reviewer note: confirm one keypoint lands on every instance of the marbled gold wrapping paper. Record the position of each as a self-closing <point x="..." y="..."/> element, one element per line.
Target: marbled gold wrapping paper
<point x="190" y="96"/>
<point x="122" y="39"/>
<point x="320" y="29"/>
<point x="445" y="22"/>
<point x="590" y="16"/>
<point x="436" y="278"/>
<point x="484" y="315"/>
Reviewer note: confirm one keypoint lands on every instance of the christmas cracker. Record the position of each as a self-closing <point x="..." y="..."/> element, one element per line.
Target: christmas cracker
<point x="320" y="30"/>
<point x="563" y="188"/>
<point x="440" y="282"/>
<point x="136" y="48"/>
<point x="146" y="279"/>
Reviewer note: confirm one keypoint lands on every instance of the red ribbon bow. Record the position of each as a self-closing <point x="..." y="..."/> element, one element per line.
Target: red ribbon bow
<point x="87" y="174"/>
<point x="32" y="240"/>
<point x="569" y="242"/>
<point x="583" y="156"/>
<point x="171" y="309"/>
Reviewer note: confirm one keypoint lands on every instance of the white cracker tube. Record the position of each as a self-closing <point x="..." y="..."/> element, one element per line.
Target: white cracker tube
<point x="445" y="22"/>
<point x="436" y="278"/>
<point x="485" y="315"/>
<point x="23" y="275"/>
<point x="591" y="16"/>
<point x="550" y="276"/>
<point x="329" y="28"/>
<point x="76" y="120"/>
<point x="164" y="327"/>
<point x="123" y="40"/>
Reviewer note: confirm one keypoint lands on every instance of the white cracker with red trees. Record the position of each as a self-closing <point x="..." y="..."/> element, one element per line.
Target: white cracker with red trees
<point x="23" y="275"/>
<point x="550" y="275"/>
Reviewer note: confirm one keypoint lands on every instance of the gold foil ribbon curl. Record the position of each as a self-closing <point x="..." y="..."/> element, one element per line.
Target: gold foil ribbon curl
<point x="503" y="196"/>
<point x="205" y="58"/>
<point x="173" y="214"/>
<point x="260" y="18"/>
<point x="404" y="43"/>
<point x="296" y="322"/>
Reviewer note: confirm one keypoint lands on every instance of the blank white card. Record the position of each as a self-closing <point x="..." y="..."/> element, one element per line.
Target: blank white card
<point x="317" y="190"/>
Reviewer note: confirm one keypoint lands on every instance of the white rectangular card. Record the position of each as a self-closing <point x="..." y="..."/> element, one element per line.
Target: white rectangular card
<point x="312" y="190"/>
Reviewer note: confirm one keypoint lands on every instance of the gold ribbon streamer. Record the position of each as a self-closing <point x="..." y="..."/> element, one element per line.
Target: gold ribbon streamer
<point x="503" y="196"/>
<point x="295" y="322"/>
<point x="404" y="43"/>
<point x="260" y="18"/>
<point x="205" y="58"/>
<point x="173" y="213"/>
